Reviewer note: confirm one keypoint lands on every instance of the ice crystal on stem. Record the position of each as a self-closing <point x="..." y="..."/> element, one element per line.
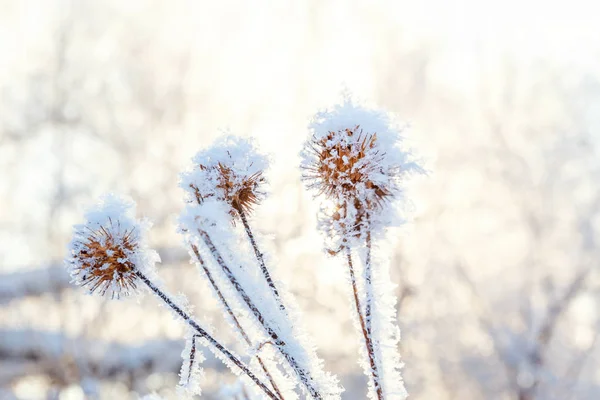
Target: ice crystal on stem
<point x="233" y="319"/>
<point x="191" y="372"/>
<point x="353" y="160"/>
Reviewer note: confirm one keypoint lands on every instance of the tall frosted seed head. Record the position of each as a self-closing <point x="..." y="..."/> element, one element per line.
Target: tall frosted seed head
<point x="353" y="159"/>
<point x="344" y="163"/>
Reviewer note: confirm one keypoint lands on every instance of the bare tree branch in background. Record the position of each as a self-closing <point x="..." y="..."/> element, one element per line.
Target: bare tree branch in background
<point x="23" y="352"/>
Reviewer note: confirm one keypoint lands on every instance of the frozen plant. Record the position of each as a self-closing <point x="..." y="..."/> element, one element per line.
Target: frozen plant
<point x="223" y="185"/>
<point x="109" y="254"/>
<point x="354" y="161"/>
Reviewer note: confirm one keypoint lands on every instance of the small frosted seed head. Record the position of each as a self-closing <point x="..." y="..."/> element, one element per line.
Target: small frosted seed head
<point x="231" y="171"/>
<point x="103" y="261"/>
<point x="107" y="252"/>
<point x="241" y="192"/>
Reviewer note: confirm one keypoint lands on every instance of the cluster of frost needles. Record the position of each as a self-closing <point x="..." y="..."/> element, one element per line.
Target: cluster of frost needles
<point x="354" y="161"/>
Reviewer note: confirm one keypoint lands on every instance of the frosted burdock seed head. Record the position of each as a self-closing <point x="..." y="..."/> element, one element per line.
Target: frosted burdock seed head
<point x="241" y="192"/>
<point x="109" y="248"/>
<point x="103" y="259"/>
<point x="343" y="161"/>
<point x="230" y="171"/>
<point x="354" y="159"/>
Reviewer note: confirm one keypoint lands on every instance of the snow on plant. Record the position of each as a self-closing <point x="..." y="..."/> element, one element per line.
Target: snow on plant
<point x="110" y="248"/>
<point x="224" y="183"/>
<point x="108" y="252"/>
<point x="191" y="372"/>
<point x="231" y="172"/>
<point x="354" y="161"/>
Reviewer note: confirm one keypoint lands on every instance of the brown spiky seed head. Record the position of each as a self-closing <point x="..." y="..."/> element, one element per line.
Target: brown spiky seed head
<point x="230" y="172"/>
<point x="109" y="251"/>
<point x="344" y="162"/>
<point x="354" y="161"/>
<point x="240" y="192"/>
<point x="103" y="261"/>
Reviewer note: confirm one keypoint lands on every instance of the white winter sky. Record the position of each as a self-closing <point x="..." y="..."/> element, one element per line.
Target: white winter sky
<point x="470" y="39"/>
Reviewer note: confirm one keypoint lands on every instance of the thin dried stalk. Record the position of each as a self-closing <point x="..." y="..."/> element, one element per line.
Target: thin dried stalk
<point x="260" y="258"/>
<point x="201" y="332"/>
<point x="365" y="331"/>
<point x="236" y="322"/>
<point x="303" y="374"/>
<point x="192" y="356"/>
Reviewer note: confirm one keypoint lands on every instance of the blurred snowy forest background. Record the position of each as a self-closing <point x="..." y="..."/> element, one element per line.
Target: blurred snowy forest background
<point x="497" y="271"/>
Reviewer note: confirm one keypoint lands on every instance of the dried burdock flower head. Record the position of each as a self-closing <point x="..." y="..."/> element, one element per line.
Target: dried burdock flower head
<point x="354" y="159"/>
<point x="231" y="171"/>
<point x="346" y="162"/>
<point x="109" y="248"/>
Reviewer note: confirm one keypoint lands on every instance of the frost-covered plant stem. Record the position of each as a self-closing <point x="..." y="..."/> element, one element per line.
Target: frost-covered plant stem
<point x="234" y="319"/>
<point x="366" y="329"/>
<point x="303" y="374"/>
<point x="192" y="355"/>
<point x="260" y="258"/>
<point x="190" y="321"/>
<point x="370" y="295"/>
